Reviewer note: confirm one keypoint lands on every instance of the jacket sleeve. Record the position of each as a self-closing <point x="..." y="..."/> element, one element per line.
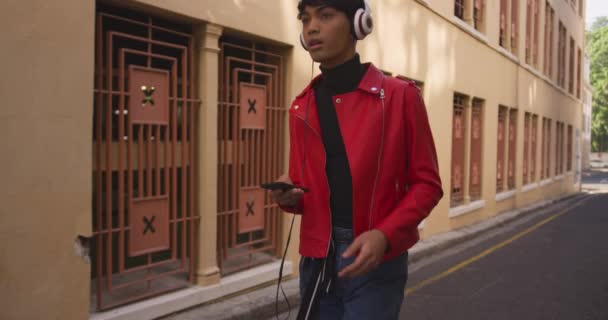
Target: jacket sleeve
<point x="422" y="174"/>
<point x="294" y="167"/>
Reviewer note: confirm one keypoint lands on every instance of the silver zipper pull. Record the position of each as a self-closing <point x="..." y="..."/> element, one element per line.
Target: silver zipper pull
<point x="382" y="93"/>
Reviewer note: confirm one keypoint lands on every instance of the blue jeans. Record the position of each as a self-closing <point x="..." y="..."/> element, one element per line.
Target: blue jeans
<point x="377" y="295"/>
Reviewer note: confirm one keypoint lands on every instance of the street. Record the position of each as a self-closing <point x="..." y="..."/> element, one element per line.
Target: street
<point x="551" y="265"/>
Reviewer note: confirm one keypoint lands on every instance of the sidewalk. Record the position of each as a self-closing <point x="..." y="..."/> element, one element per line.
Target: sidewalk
<point x="260" y="304"/>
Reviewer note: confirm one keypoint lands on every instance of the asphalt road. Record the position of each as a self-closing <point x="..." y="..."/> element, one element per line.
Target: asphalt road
<point x="552" y="264"/>
<point x="596" y="177"/>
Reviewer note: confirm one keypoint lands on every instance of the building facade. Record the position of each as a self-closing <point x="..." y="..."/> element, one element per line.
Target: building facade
<point x="137" y="132"/>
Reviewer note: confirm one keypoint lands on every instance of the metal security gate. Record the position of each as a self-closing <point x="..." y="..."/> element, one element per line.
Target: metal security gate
<point x="501" y="148"/>
<point x="458" y="150"/>
<point x="533" y="147"/>
<point x="144" y="215"/>
<point x="526" y="148"/>
<point x="251" y="138"/>
<point x="512" y="139"/>
<point x="476" y="165"/>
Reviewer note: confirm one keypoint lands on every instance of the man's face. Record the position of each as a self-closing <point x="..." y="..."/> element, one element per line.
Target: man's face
<point x="327" y="34"/>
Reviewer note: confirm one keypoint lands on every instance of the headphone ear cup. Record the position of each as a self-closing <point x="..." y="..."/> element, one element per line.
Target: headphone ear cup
<point x="367" y="23"/>
<point x="357" y="24"/>
<point x="363" y="23"/>
<point x="302" y="42"/>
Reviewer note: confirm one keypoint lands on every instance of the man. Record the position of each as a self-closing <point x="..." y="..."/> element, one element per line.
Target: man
<point x="361" y="144"/>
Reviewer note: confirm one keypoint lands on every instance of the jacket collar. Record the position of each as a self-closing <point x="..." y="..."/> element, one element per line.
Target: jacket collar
<point x="370" y="83"/>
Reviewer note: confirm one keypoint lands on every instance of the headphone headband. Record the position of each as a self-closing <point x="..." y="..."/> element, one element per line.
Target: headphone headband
<point x="363" y="23"/>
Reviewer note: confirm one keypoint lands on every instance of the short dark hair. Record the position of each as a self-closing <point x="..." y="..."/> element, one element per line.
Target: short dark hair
<point x="347" y="6"/>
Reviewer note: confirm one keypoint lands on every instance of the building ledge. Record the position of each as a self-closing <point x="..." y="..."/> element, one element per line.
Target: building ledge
<point x="423" y="2"/>
<point x="545" y="182"/>
<point x="467" y="208"/>
<point x="505" y="195"/>
<point x="532" y="69"/>
<point x="508" y="54"/>
<point x="183" y="299"/>
<point x="470" y="30"/>
<point x="559" y="177"/>
<point x="530" y="187"/>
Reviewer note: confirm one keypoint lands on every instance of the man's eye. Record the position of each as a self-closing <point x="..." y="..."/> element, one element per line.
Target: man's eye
<point x="305" y="20"/>
<point x="326" y="16"/>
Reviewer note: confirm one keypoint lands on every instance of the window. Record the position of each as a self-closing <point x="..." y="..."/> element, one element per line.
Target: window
<point x="569" y="146"/>
<point x="559" y="148"/>
<point x="530" y="133"/>
<point x="543" y="150"/>
<point x="535" y="29"/>
<point x="549" y="22"/>
<point x="533" y="140"/>
<point x="571" y="69"/>
<point x="511" y="151"/>
<point x="501" y="146"/>
<point x="557" y="124"/>
<point x="467" y="133"/>
<point x="472" y="12"/>
<point x="532" y="8"/>
<point x="528" y="31"/>
<point x="547" y="148"/>
<point x="507" y="127"/>
<point x="475" y="156"/>
<point x="578" y="73"/>
<point x="526" y="147"/>
<point x="561" y="56"/>
<point x="458" y="149"/>
<point x="459" y="9"/>
<point x="502" y="36"/>
<point x="478" y="17"/>
<point x="514" y="25"/>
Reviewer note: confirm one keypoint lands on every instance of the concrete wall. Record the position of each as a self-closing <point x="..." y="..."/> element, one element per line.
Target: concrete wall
<point x="46" y="124"/>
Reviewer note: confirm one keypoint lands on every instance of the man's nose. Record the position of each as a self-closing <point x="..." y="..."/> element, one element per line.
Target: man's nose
<point x="313" y="26"/>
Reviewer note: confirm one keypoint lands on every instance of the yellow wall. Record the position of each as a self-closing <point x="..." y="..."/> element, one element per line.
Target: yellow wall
<point x="46" y="118"/>
<point x="46" y="124"/>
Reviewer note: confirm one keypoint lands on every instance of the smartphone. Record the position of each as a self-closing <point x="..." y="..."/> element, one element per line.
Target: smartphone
<point x="281" y="186"/>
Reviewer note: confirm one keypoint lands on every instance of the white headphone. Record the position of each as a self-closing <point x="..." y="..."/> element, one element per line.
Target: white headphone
<point x="363" y="24"/>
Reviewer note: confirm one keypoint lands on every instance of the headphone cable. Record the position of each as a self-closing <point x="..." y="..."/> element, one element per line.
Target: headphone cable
<point x="293" y="218"/>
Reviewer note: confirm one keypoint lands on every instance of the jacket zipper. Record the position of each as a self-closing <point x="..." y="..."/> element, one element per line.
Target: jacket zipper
<point x="371" y="206"/>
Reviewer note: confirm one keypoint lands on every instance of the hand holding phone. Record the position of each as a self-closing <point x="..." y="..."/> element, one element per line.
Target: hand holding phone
<point x="284" y="192"/>
<point x="280" y="185"/>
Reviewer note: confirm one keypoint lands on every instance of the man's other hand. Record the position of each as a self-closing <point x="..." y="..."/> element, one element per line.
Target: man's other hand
<point x="370" y="248"/>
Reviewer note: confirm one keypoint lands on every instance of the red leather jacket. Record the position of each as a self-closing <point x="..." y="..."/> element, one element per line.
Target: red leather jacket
<point x="392" y="159"/>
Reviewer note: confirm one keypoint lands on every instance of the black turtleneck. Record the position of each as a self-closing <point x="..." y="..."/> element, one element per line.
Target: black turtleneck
<point x="339" y="80"/>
